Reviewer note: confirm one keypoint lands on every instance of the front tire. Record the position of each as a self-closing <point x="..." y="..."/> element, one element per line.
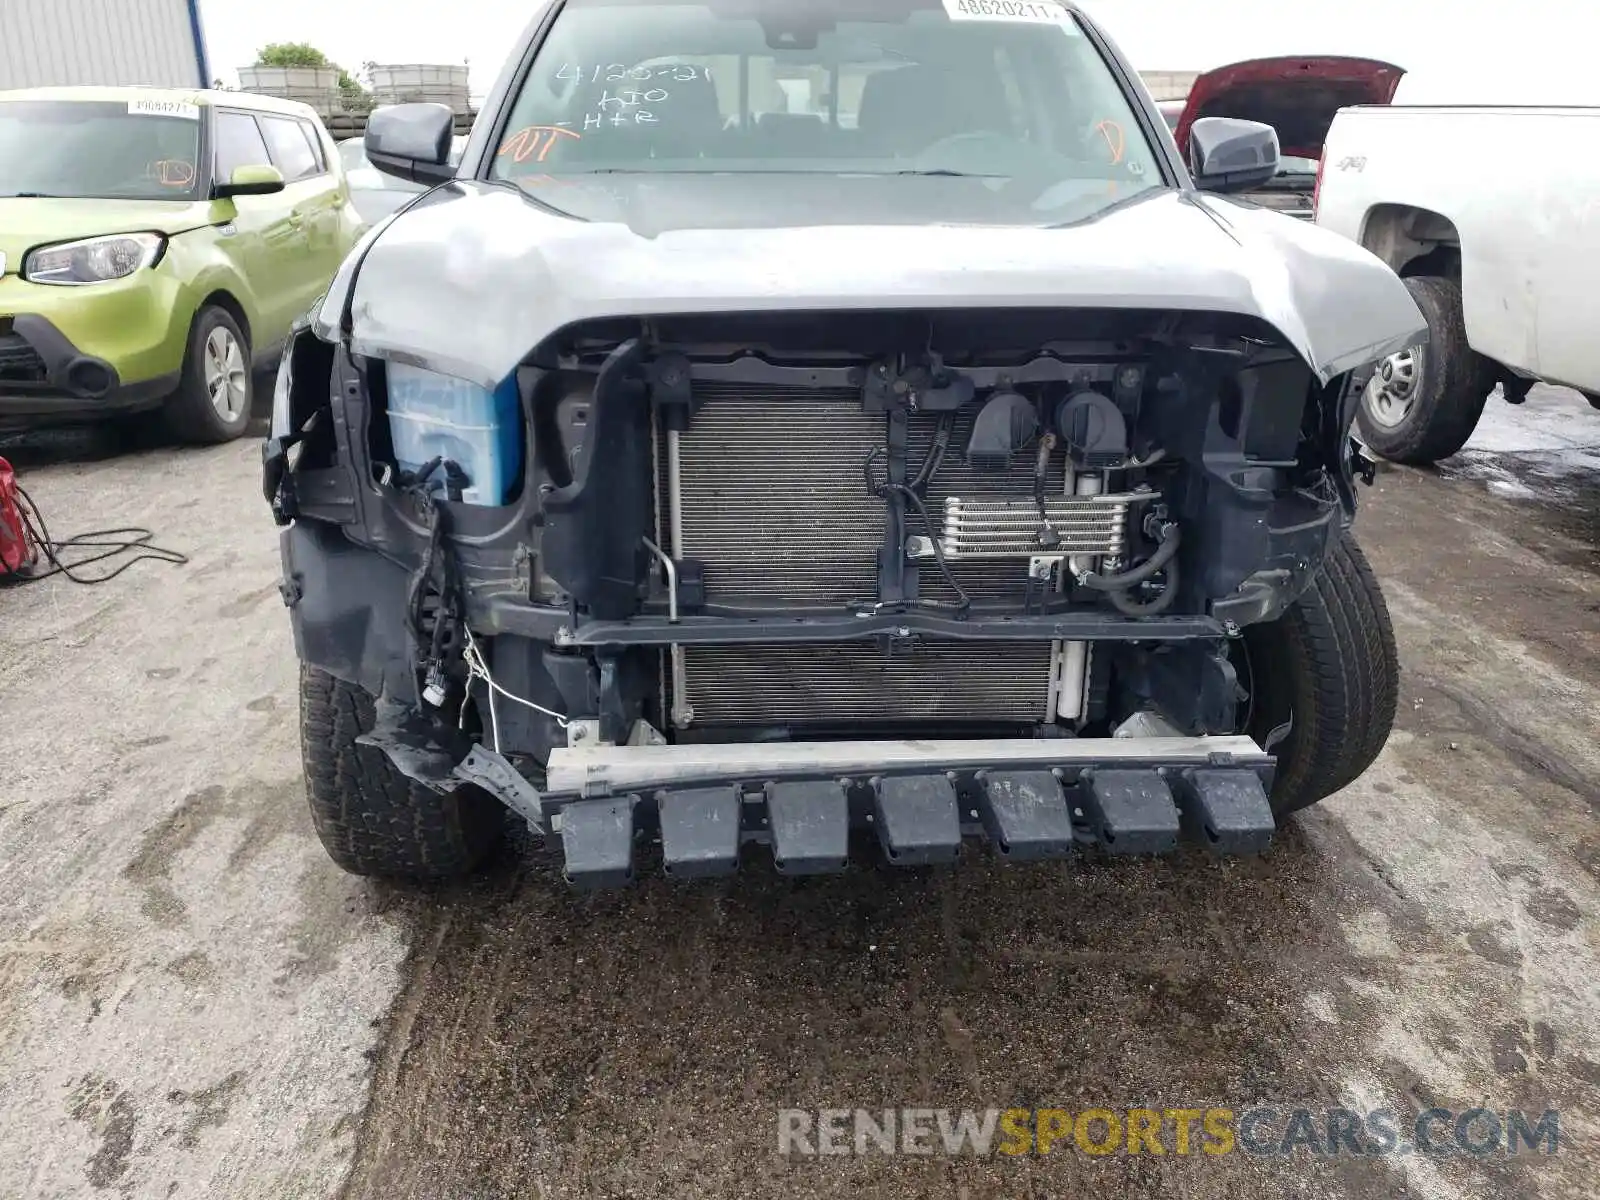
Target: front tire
<point x="212" y="403"/>
<point x="370" y="818"/>
<point x="1423" y="403"/>
<point x="1329" y="669"/>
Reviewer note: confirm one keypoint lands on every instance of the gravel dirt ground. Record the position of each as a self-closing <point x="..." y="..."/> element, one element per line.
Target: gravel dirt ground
<point x="195" y="1003"/>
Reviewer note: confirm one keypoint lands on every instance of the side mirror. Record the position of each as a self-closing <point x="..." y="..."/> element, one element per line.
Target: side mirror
<point x="412" y="141"/>
<point x="1230" y="155"/>
<point x="259" y="180"/>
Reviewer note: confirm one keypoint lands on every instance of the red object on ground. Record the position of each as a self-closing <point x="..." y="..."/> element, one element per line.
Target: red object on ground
<point x="17" y="551"/>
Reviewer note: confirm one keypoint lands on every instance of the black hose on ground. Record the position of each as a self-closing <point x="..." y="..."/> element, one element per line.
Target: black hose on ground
<point x="133" y="541"/>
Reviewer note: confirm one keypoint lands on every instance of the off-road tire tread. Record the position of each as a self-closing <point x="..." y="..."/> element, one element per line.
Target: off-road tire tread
<point x="1332" y="657"/>
<point x="1455" y="384"/>
<point x="1368" y="615"/>
<point x="188" y="412"/>
<point x="370" y="818"/>
<point x="1358" y="655"/>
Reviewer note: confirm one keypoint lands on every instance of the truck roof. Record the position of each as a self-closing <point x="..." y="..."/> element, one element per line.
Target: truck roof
<point x="199" y="96"/>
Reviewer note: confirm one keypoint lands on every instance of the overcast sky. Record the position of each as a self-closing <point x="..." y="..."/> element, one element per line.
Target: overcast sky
<point x="1454" y="50"/>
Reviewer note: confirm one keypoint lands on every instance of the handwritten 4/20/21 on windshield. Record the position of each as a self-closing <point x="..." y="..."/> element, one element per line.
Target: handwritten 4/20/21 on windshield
<point x="622" y="73"/>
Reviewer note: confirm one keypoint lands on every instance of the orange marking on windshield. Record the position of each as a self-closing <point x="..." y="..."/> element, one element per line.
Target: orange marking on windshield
<point x="1116" y="141"/>
<point x="175" y="173"/>
<point x="534" y="141"/>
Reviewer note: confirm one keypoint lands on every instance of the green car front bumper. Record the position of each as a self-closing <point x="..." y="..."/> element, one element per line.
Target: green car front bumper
<point x="84" y="353"/>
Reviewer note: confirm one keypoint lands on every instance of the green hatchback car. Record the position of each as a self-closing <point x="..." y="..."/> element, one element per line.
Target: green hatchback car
<point x="155" y="247"/>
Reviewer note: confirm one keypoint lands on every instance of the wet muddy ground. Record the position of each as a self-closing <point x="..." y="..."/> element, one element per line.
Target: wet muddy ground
<point x="193" y="1002"/>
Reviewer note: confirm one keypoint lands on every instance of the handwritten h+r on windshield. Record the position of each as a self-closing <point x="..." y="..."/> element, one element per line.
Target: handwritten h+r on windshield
<point x="626" y="107"/>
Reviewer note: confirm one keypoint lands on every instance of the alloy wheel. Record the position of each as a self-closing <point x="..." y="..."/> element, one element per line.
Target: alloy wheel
<point x="227" y="380"/>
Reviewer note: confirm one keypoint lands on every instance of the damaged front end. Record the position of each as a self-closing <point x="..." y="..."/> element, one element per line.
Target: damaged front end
<point x="773" y="576"/>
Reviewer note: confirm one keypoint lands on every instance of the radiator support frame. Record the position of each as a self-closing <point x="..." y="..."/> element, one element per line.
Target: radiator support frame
<point x="768" y="490"/>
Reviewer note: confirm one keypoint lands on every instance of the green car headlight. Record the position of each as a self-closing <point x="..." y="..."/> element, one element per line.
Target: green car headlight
<point x="93" y="260"/>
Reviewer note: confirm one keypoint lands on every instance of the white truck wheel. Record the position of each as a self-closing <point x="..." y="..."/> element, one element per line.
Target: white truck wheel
<point x="1423" y="403"/>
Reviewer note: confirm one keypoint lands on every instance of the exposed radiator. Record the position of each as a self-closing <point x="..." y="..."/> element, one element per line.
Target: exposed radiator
<point x="769" y="495"/>
<point x="864" y="681"/>
<point x="772" y="499"/>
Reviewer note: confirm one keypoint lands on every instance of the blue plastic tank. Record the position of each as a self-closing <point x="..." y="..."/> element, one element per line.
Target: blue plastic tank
<point x="438" y="416"/>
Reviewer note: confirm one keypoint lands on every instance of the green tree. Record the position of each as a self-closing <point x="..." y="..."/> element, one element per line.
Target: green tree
<point x="304" y="54"/>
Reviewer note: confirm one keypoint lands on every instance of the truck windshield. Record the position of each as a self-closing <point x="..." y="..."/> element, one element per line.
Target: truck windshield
<point x="124" y="150"/>
<point x="1010" y="93"/>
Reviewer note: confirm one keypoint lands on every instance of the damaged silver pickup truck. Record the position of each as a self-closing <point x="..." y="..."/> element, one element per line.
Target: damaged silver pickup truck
<point x="806" y="425"/>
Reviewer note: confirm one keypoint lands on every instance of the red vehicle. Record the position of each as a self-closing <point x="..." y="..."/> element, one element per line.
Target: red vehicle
<point x="1297" y="97"/>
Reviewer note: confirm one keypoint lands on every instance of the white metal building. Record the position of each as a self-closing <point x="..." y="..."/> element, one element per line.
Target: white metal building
<point x="1169" y="85"/>
<point x="158" y="43"/>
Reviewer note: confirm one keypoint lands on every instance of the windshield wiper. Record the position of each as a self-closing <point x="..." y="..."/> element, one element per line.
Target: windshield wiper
<point x="34" y="196"/>
<point x="949" y="174"/>
<point x="696" y="171"/>
<point x="941" y="171"/>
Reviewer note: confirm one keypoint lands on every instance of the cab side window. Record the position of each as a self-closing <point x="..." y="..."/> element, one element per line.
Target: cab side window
<point x="291" y="153"/>
<point x="239" y="144"/>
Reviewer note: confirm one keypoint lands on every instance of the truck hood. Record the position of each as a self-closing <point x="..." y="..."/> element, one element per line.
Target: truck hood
<point x="470" y="279"/>
<point x="26" y="223"/>
<point x="1296" y="96"/>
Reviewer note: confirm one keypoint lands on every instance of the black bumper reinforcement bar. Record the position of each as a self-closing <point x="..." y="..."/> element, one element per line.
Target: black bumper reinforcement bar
<point x="1029" y="799"/>
<point x="651" y="630"/>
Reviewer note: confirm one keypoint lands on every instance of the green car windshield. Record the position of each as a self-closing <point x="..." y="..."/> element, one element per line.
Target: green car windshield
<point x="1010" y="93"/>
<point x="122" y="150"/>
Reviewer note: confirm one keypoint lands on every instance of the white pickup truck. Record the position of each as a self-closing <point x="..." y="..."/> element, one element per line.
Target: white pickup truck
<point x="1492" y="216"/>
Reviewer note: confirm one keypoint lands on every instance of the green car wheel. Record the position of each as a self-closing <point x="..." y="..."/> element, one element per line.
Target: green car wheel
<point x="212" y="404"/>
